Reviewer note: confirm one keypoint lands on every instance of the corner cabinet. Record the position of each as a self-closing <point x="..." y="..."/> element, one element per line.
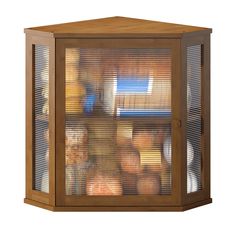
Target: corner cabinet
<point x="117" y="116"/>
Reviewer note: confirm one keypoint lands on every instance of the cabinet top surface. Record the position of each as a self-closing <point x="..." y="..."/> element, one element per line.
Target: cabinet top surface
<point x="117" y="27"/>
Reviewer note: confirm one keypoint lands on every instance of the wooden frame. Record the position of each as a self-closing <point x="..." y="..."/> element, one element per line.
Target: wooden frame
<point x="56" y="200"/>
<point x="30" y="192"/>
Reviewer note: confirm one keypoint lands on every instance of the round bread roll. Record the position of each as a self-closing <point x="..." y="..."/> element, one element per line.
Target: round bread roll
<point x="102" y="184"/>
<point x="76" y="135"/>
<point x="148" y="184"/>
<point x="167" y="149"/>
<point x="76" y="154"/>
<point x="192" y="184"/>
<point x="143" y="139"/>
<point x="45" y="182"/>
<point x="130" y="160"/>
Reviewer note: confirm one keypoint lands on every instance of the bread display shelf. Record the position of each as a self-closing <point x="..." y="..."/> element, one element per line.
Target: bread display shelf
<point x="118" y="116"/>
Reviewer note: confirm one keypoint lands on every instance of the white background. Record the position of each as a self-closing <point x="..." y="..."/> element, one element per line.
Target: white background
<point x="21" y="219"/>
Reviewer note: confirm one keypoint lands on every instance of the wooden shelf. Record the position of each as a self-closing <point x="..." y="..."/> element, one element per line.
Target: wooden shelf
<point x="192" y="116"/>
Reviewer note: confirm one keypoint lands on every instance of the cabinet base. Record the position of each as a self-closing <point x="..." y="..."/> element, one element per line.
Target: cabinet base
<point x="117" y="208"/>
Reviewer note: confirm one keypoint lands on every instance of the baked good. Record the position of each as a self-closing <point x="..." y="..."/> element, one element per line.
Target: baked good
<point x="148" y="184"/>
<point x="129" y="160"/>
<point x="76" y="135"/>
<point x="143" y="139"/>
<point x="192" y="184"/>
<point x="45" y="182"/>
<point x="167" y="150"/>
<point x="103" y="184"/>
<point x="124" y="133"/>
<point x="76" y="154"/>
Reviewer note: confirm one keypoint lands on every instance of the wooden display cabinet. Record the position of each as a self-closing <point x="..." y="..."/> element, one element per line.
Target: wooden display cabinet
<point x="117" y="116"/>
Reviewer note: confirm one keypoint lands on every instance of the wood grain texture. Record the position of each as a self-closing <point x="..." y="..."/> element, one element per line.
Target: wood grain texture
<point x="121" y="27"/>
<point x="118" y="208"/>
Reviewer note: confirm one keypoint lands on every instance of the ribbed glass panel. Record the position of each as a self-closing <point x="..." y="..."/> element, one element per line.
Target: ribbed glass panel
<point x="41" y="110"/>
<point x="118" y="114"/>
<point x="194" y="122"/>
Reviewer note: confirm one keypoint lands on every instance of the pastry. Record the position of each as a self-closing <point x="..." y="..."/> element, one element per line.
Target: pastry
<point x="124" y="133"/>
<point x="103" y="184"/>
<point x="76" y="135"/>
<point x="167" y="150"/>
<point x="129" y="160"/>
<point x="45" y="182"/>
<point x="76" y="154"/>
<point x="192" y="184"/>
<point x="143" y="139"/>
<point x="150" y="157"/>
<point x="148" y="184"/>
